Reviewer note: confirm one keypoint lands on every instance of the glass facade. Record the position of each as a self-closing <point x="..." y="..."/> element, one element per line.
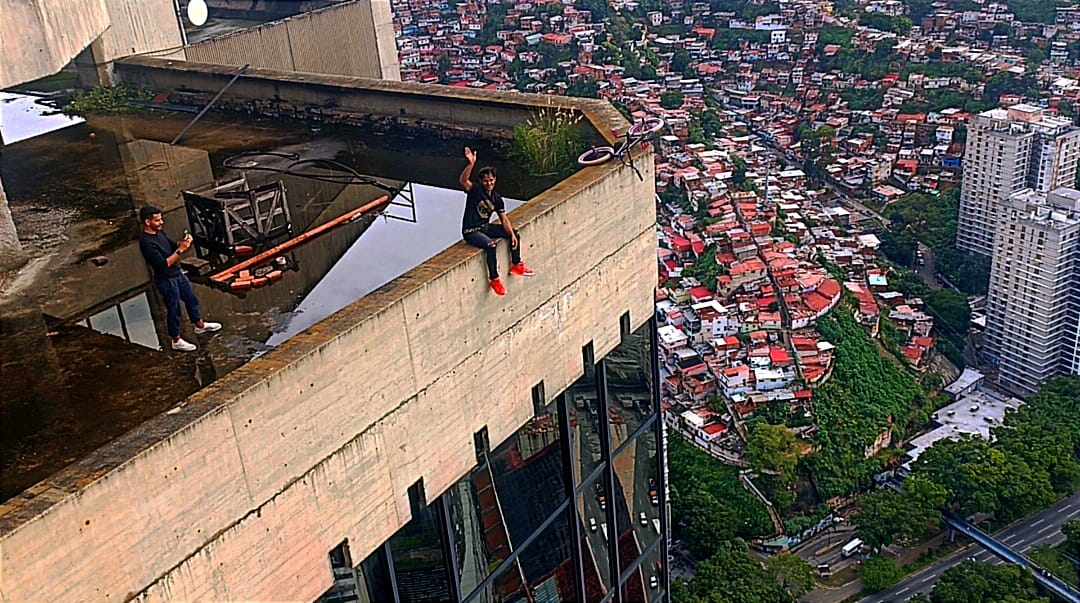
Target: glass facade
<point x="570" y="508"/>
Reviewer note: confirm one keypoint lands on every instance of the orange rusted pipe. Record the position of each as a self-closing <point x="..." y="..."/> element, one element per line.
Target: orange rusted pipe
<point x="228" y="273"/>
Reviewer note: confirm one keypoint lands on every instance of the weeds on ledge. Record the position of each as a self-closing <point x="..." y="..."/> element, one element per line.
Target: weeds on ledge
<point x="104" y="99"/>
<point x="549" y="142"/>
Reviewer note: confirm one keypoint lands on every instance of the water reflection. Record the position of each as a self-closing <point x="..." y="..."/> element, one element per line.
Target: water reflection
<point x="23" y="116"/>
<point x="388" y="248"/>
<point x="86" y="333"/>
<point x="130" y="320"/>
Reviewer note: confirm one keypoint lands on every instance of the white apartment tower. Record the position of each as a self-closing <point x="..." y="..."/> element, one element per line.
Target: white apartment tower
<point x="1010" y="150"/>
<point x="1033" y="308"/>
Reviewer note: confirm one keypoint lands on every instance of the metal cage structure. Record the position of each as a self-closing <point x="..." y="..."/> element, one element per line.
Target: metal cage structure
<point x="232" y="214"/>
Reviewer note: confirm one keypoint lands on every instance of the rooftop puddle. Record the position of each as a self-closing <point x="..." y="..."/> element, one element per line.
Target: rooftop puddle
<point x="83" y="347"/>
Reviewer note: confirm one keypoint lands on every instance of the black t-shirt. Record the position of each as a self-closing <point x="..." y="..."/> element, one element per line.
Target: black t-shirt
<point x="156" y="248"/>
<point x="479" y="206"/>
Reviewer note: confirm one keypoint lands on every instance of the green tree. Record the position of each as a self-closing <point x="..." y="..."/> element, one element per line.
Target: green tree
<point x="680" y="61"/>
<point x="584" y="88"/>
<point x="972" y="581"/>
<point x="693" y="469"/>
<point x="790" y="573"/>
<point x="911" y="514"/>
<point x="672" y="99"/>
<point x="867" y="395"/>
<point x="774" y="449"/>
<point x="706" y="524"/>
<point x="969" y="468"/>
<point x="733" y="578"/>
<point x="863" y="99"/>
<point x="738" y="170"/>
<point x="883" y="22"/>
<point x="1071" y="529"/>
<point x="879" y="573"/>
<point x="835" y="35"/>
<point x="442" y="68"/>
<point x="711" y="124"/>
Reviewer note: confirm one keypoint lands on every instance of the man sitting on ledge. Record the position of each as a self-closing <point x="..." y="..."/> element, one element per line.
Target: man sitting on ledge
<point x="480" y="202"/>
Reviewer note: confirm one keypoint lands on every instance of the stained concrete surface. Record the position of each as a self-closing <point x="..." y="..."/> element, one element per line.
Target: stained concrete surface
<point x="83" y="348"/>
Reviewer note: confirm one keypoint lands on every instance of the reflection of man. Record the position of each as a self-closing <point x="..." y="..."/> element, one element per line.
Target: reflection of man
<point x="163" y="256"/>
<point x="480" y="202"/>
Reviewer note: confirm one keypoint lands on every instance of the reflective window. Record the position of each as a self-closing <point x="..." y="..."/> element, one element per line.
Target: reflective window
<point x="629" y="373"/>
<point x="528" y="476"/>
<point x="543" y="571"/>
<point x="139" y="322"/>
<point x="371" y="579"/>
<point x="108" y="322"/>
<point x="594" y="555"/>
<point x="646" y="583"/>
<point x="418" y="559"/>
<point x="130" y="319"/>
<point x="584" y="427"/>
<point x="638" y="513"/>
<point x="503" y="500"/>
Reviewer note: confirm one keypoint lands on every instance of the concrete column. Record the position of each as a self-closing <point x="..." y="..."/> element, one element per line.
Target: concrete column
<point x="11" y="252"/>
<point x="92" y="68"/>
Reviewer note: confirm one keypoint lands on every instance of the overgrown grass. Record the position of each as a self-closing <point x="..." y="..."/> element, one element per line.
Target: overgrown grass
<point x="104" y="99"/>
<point x="549" y="142"/>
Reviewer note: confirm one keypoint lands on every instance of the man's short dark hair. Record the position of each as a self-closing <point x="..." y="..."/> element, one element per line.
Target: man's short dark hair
<point x="488" y="169"/>
<point x="148" y="212"/>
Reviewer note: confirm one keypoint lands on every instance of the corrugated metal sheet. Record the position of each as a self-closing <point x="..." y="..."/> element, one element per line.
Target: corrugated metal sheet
<point x="339" y="40"/>
<point x="266" y="46"/>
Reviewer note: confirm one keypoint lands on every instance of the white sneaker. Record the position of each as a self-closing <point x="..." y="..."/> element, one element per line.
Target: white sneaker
<point x="183" y="346"/>
<point x="208" y="327"/>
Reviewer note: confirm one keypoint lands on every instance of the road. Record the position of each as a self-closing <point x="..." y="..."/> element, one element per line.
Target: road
<point x="1043" y="527"/>
<point x="926" y="271"/>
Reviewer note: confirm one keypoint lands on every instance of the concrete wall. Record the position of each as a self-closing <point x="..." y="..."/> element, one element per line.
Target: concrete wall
<point x="39" y="37"/>
<point x="360" y="101"/>
<point x="137" y="26"/>
<point x="355" y="38"/>
<point x="241" y="491"/>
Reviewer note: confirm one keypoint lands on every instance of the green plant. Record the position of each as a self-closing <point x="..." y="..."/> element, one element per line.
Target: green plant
<point x="549" y="141"/>
<point x="103" y="99"/>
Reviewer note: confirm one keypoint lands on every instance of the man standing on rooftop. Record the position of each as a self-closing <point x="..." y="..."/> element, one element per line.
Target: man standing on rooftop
<point x="163" y="256"/>
<point x="480" y="202"/>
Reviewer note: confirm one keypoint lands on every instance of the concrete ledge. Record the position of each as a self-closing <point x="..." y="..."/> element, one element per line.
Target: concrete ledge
<point x="363" y="100"/>
<point x="243" y="490"/>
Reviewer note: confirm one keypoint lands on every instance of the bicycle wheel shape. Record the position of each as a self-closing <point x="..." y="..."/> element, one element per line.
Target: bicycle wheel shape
<point x="596" y="156"/>
<point x="646" y="127"/>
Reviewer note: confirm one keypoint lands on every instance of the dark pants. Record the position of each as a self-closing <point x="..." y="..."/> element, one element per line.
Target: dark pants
<point x="176" y="289"/>
<point x="486" y="239"/>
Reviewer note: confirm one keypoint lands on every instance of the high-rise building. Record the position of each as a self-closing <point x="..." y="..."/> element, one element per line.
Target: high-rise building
<point x="1009" y="150"/>
<point x="1033" y="308"/>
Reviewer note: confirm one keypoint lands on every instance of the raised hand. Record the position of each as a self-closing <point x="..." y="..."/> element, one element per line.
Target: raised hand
<point x="470" y="155"/>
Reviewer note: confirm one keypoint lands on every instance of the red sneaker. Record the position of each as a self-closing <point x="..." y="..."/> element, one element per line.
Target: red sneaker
<point x="497" y="286"/>
<point x="521" y="270"/>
